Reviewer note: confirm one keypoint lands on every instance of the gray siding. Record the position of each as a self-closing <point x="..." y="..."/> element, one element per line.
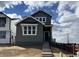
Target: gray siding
<point x="29" y="39"/>
<point x="7" y="28"/>
<point x="42" y="14"/>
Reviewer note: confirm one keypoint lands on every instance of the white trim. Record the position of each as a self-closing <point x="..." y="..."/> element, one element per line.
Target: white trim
<point x="36" y="30"/>
<point x="29" y="24"/>
<point x="48" y="25"/>
<point x="3" y="29"/>
<point x="31" y="29"/>
<point x="31" y="17"/>
<point x="42" y="18"/>
<point x="7" y="39"/>
<point x="3" y="34"/>
<point x="27" y="31"/>
<point x="6" y="28"/>
<point x="45" y="19"/>
<point x="5" y="22"/>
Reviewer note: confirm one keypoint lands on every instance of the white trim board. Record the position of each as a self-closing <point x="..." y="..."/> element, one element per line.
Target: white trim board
<point x="28" y="24"/>
<point x="42" y="19"/>
<point x="28" y="17"/>
<point x="28" y="30"/>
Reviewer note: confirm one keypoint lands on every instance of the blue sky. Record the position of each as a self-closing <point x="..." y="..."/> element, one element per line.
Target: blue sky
<point x="65" y="16"/>
<point x="19" y="9"/>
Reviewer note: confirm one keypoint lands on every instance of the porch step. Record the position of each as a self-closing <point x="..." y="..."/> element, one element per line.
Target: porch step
<point x="46" y="50"/>
<point x="47" y="54"/>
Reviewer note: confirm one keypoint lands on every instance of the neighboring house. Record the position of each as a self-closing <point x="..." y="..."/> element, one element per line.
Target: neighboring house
<point x="5" y="29"/>
<point x="34" y="29"/>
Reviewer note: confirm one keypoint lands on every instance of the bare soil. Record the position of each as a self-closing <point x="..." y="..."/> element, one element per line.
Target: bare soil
<point x="60" y="53"/>
<point x="18" y="51"/>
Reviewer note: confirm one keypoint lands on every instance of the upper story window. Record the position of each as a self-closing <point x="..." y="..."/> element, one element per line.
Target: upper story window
<point x="29" y="29"/>
<point x="2" y="22"/>
<point x="42" y="19"/>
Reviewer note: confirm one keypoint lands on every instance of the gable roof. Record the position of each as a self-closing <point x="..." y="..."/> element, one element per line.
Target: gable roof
<point x="42" y="12"/>
<point x="5" y="15"/>
<point x="30" y="17"/>
<point x="35" y="18"/>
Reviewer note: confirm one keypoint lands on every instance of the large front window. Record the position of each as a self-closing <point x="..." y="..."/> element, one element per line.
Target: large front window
<point x="2" y="22"/>
<point x="29" y="29"/>
<point x="2" y="34"/>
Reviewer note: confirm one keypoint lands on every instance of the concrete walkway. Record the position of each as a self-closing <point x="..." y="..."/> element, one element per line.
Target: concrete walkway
<point x="46" y="50"/>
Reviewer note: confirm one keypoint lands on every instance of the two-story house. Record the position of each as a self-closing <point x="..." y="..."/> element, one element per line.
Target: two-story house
<point x="5" y="29"/>
<point x="34" y="29"/>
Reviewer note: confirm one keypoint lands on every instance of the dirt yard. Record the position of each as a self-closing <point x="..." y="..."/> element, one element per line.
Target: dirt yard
<point x="18" y="51"/>
<point x="34" y="51"/>
<point x="60" y="53"/>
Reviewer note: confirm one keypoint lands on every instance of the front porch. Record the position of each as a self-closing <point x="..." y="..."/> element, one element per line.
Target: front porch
<point x="46" y="47"/>
<point x="47" y="33"/>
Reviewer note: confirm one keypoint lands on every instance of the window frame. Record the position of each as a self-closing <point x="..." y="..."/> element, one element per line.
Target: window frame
<point x="38" y="18"/>
<point x="4" y="18"/>
<point x="27" y="25"/>
<point x="44" y="20"/>
<point x="3" y="34"/>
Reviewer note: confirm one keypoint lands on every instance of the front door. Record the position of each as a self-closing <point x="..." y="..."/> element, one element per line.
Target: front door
<point x="46" y="35"/>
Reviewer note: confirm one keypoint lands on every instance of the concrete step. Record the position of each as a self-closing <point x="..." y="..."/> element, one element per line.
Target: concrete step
<point x="47" y="54"/>
<point x="46" y="50"/>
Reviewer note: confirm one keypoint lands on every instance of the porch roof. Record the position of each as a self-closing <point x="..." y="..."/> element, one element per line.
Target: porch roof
<point x="48" y="25"/>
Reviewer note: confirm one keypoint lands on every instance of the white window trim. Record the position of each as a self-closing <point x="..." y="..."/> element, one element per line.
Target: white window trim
<point x="3" y="38"/>
<point x="42" y="18"/>
<point x="27" y="29"/>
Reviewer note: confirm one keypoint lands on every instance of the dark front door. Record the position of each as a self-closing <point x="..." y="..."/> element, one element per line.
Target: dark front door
<point x="46" y="36"/>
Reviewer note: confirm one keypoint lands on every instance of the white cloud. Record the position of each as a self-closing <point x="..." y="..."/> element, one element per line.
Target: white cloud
<point x="8" y="4"/>
<point x="11" y="3"/>
<point x="60" y="37"/>
<point x="69" y="23"/>
<point x="77" y="11"/>
<point x="14" y="15"/>
<point x="64" y="4"/>
<point x="2" y="6"/>
<point x="37" y="5"/>
<point x="67" y="17"/>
